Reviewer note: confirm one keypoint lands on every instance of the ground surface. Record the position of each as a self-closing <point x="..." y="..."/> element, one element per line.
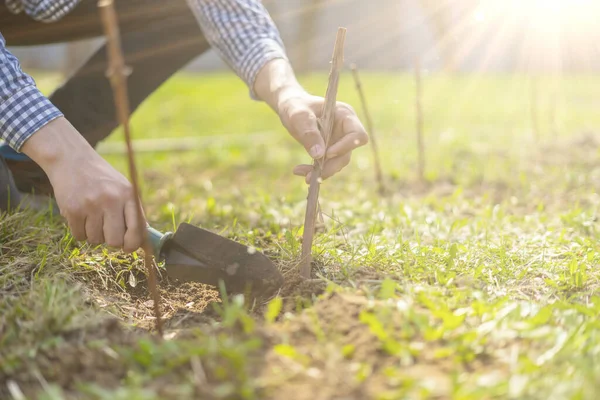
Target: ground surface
<point x="480" y="283"/>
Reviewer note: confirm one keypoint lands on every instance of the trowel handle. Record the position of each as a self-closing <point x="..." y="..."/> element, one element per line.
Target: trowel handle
<point x="8" y="153"/>
<point x="157" y="239"/>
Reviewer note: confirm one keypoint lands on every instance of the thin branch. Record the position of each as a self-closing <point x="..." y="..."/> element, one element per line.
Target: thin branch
<point x="117" y="73"/>
<point x="326" y="123"/>
<point x="369" y="120"/>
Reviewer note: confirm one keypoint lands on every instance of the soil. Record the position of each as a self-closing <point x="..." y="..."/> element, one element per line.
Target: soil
<point x="330" y="325"/>
<point x="324" y="324"/>
<point x="182" y="304"/>
<point x="77" y="360"/>
<point x="295" y="286"/>
<point x="317" y="333"/>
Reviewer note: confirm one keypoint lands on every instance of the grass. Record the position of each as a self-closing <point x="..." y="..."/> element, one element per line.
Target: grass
<point x="480" y="283"/>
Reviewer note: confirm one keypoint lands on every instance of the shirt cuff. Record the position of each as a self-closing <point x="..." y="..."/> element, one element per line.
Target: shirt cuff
<point x="256" y="57"/>
<point x="23" y="114"/>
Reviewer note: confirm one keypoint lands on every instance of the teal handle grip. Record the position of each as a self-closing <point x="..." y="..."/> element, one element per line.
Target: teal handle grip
<point x="157" y="240"/>
<point x="8" y="153"/>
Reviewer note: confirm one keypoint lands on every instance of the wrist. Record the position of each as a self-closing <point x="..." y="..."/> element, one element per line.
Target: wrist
<point x="276" y="83"/>
<point x="285" y="94"/>
<point x="55" y="143"/>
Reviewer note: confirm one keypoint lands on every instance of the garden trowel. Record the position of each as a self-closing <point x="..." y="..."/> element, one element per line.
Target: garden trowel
<point x="193" y="254"/>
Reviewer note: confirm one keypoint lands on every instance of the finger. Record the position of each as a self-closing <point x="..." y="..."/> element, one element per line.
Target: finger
<point x="342" y="112"/>
<point x="353" y="136"/>
<point x="335" y="165"/>
<point x="302" y="170"/>
<point x="134" y="235"/>
<point x="304" y="128"/>
<point x="77" y="227"/>
<point x="94" y="230"/>
<point x="114" y="226"/>
<point x="305" y="171"/>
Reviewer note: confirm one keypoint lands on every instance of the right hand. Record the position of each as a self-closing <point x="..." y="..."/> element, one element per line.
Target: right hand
<point x="97" y="201"/>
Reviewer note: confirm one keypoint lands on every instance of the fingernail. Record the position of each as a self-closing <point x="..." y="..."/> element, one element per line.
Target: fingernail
<point x="316" y="151"/>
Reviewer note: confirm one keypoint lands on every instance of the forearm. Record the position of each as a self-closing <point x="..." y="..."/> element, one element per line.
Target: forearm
<point x="23" y="109"/>
<point x="242" y="33"/>
<point x="276" y="83"/>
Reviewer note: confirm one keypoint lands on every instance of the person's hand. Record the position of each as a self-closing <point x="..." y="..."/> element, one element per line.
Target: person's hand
<point x="97" y="201"/>
<point x="300" y="113"/>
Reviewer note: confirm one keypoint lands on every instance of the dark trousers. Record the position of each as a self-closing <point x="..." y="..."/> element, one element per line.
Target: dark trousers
<point x="159" y="37"/>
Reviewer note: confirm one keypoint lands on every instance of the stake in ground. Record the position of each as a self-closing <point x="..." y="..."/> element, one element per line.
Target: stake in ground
<point x="326" y="123"/>
<point x="118" y="79"/>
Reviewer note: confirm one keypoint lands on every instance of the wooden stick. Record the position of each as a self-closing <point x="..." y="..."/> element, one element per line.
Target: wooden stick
<point x="326" y="125"/>
<point x="369" y="120"/>
<point x="117" y="73"/>
<point x="419" y="111"/>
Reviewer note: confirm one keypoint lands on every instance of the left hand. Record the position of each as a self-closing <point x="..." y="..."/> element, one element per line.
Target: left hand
<point x="299" y="114"/>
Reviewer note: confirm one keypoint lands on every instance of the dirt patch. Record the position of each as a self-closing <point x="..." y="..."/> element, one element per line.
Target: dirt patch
<point x="319" y="370"/>
<point x="102" y="357"/>
<point x="295" y="286"/>
<point x="82" y="355"/>
<point x="326" y="350"/>
<point x="338" y="354"/>
<point x="183" y="304"/>
<point x="122" y="288"/>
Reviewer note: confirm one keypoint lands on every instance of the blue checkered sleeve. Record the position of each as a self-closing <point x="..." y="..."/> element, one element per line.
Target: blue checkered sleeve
<point x="243" y="34"/>
<point x="42" y="10"/>
<point x="23" y="109"/>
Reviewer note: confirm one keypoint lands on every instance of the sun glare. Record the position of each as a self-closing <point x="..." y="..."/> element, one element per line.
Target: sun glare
<point x="545" y="11"/>
<point x="548" y="11"/>
<point x="548" y="32"/>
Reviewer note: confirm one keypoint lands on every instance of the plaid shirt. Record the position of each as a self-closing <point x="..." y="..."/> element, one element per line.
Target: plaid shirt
<point x="241" y="31"/>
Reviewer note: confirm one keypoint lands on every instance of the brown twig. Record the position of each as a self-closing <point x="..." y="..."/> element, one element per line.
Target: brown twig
<point x="117" y="73"/>
<point x="369" y="120"/>
<point x="419" y="112"/>
<point x="326" y="125"/>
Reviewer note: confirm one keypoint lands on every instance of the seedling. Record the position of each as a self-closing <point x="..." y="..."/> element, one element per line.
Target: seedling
<point x="326" y="123"/>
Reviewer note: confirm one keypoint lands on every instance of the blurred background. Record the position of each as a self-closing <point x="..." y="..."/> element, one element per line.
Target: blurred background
<point x="453" y="35"/>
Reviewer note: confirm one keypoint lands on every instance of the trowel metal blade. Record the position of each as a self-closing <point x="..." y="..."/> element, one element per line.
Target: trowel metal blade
<point x="197" y="255"/>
